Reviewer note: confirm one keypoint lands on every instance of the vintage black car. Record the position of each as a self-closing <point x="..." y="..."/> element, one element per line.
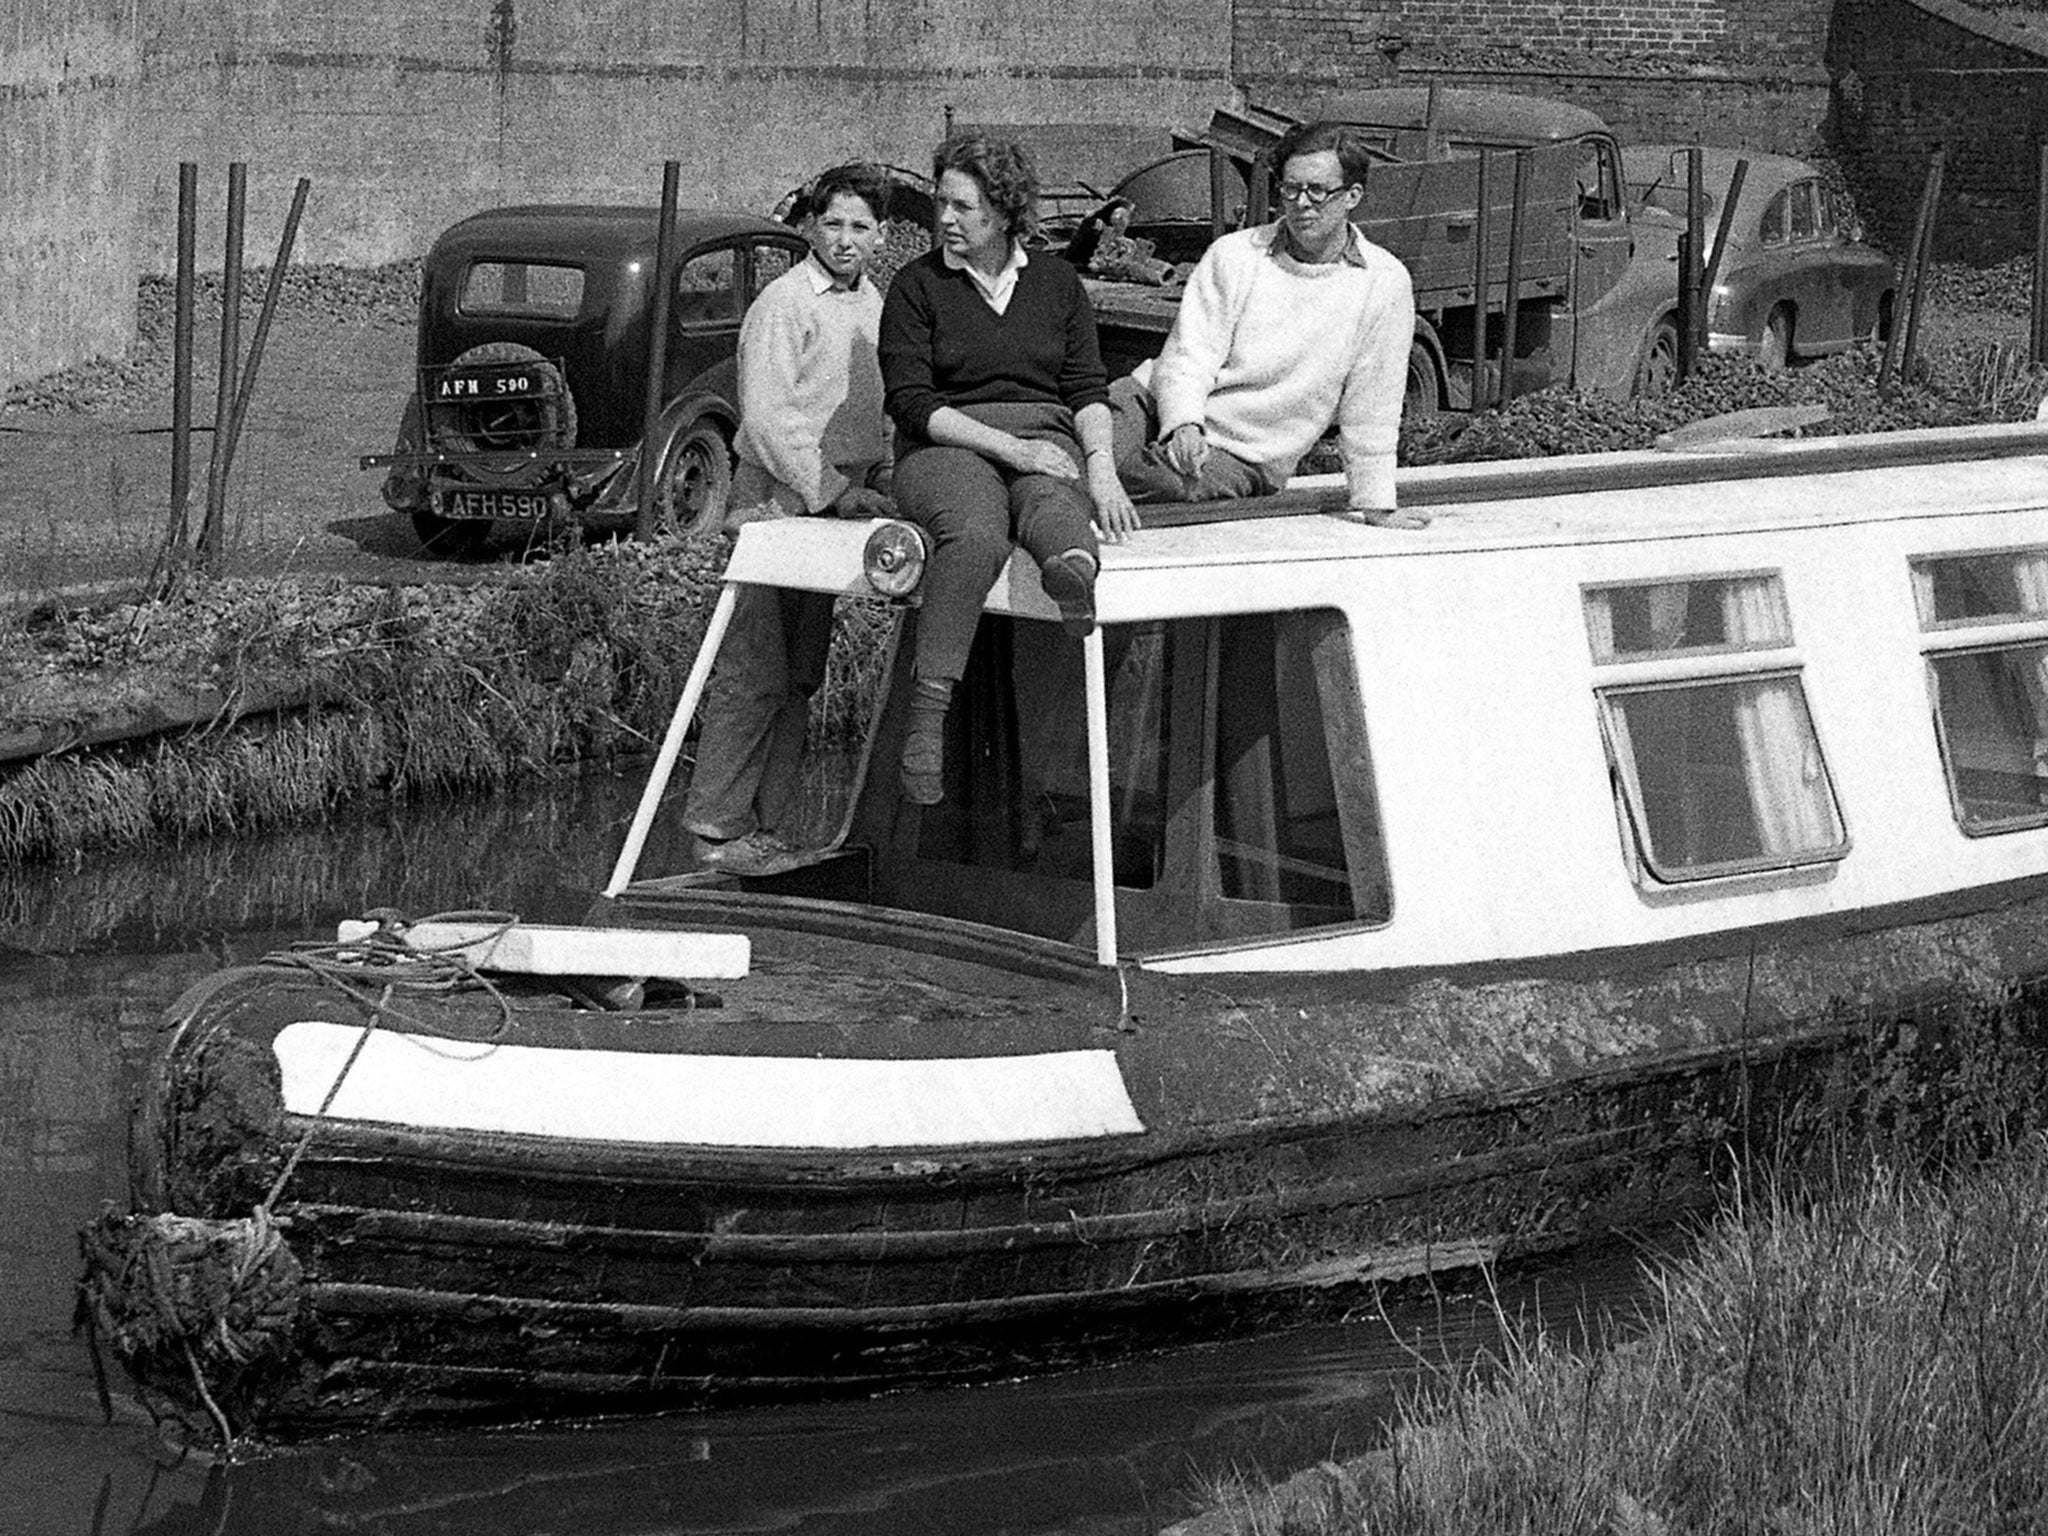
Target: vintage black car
<point x="534" y="334"/>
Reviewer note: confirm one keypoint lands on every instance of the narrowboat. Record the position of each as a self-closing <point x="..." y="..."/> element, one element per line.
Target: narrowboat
<point x="1352" y="907"/>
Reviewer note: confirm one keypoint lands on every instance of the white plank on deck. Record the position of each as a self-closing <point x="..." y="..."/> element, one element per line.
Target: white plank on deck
<point x="534" y="949"/>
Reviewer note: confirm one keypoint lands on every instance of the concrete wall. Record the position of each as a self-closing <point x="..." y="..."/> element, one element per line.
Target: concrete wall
<point x="408" y="116"/>
<point x="1744" y="73"/>
<point x="67" y="216"/>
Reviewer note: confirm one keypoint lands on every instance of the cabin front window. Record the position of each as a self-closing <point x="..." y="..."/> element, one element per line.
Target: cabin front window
<point x="1986" y="621"/>
<point x="1241" y="795"/>
<point x="1714" y="753"/>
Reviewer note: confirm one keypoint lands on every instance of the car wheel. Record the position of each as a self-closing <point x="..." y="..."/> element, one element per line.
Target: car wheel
<point x="450" y="538"/>
<point x="1775" y="350"/>
<point x="1657" y="368"/>
<point x="695" y="482"/>
<point x="545" y="420"/>
<point x="1422" y="397"/>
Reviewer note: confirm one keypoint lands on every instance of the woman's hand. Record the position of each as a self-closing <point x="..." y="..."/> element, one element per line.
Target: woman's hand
<point x="1115" y="516"/>
<point x="859" y="501"/>
<point x="1032" y="457"/>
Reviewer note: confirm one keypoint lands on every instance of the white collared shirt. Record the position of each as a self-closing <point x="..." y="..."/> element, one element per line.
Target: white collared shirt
<point x="822" y="279"/>
<point x="998" y="289"/>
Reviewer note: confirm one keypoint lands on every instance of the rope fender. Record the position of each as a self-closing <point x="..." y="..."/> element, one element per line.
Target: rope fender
<point x="191" y="1298"/>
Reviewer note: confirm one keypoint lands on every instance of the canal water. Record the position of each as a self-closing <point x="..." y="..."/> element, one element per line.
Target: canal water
<point x="90" y="956"/>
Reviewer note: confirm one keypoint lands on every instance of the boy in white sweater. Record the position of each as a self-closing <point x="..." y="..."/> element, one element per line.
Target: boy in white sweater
<point x="1283" y="330"/>
<point x="812" y="439"/>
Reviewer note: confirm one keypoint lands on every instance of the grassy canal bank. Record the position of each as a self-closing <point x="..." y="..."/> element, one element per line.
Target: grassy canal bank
<point x="247" y="704"/>
<point x="1869" y="1362"/>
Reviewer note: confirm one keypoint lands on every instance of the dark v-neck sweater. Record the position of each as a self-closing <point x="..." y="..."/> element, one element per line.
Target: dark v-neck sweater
<point x="942" y="344"/>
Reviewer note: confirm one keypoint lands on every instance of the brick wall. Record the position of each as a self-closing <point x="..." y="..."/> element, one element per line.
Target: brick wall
<point x="67" y="249"/>
<point x="1745" y="73"/>
<point x="1915" y="75"/>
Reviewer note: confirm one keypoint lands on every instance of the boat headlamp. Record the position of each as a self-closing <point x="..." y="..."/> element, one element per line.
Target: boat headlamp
<point x="893" y="560"/>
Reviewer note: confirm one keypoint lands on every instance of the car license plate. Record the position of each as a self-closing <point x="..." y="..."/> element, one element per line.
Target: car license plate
<point x="527" y="505"/>
<point x="487" y="384"/>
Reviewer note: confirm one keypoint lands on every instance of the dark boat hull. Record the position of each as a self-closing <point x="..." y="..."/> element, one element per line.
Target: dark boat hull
<point x="1286" y="1169"/>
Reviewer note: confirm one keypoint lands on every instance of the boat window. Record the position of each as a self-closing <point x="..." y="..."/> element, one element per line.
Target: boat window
<point x="1990" y="699"/>
<point x="1976" y="588"/>
<point x="1715" y="757"/>
<point x="1241" y="792"/>
<point x="537" y="290"/>
<point x="1722" y="777"/>
<point x="1702" y="614"/>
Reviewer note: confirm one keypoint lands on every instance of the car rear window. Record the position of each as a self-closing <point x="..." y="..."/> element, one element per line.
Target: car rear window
<point x="539" y="290"/>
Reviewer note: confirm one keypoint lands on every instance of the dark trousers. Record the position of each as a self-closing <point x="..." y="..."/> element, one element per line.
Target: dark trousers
<point x="1141" y="460"/>
<point x="976" y="512"/>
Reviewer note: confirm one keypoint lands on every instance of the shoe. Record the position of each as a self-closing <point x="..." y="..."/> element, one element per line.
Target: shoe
<point x="924" y="743"/>
<point x="758" y="853"/>
<point x="1069" y="580"/>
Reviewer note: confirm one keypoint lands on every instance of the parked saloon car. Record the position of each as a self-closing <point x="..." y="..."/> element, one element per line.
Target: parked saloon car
<point x="534" y="334"/>
<point x="1794" y="283"/>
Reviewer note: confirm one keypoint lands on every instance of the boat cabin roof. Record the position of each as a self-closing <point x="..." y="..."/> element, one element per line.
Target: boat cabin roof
<point x="1556" y="503"/>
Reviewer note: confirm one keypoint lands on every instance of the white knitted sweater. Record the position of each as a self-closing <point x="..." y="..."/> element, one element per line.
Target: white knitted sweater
<point x="1267" y="351"/>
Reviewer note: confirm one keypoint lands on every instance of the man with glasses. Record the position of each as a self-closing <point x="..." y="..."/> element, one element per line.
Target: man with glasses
<point x="1283" y="330"/>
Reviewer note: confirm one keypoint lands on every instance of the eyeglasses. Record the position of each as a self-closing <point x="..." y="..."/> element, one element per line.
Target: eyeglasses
<point x="1308" y="192"/>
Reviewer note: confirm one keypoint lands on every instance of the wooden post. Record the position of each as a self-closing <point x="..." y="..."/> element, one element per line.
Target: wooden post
<point x="2037" y="330"/>
<point x="271" y="290"/>
<point x="212" y="533"/>
<point x="1923" y="258"/>
<point x="1691" y="251"/>
<point x="181" y="364"/>
<point x="1909" y="282"/>
<point x="1722" y="231"/>
<point x="1511" y="304"/>
<point x="1482" y="281"/>
<point x="1219" y="193"/>
<point x="657" y="345"/>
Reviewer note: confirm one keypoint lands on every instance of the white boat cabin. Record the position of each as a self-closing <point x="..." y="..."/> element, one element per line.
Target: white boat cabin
<point x="1599" y="702"/>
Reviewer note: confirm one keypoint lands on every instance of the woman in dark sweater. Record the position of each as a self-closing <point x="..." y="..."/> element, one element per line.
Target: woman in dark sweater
<point x="995" y="383"/>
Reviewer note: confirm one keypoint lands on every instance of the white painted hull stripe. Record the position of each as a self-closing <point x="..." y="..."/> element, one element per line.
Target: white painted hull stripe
<point x="716" y="1101"/>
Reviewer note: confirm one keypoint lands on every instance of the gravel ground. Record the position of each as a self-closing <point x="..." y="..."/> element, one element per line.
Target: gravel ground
<point x="85" y="454"/>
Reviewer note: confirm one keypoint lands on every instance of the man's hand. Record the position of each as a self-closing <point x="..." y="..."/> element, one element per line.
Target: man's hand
<point x="1115" y="517"/>
<point x="1388" y="517"/>
<point x="1187" y="449"/>
<point x="858" y="501"/>
<point x="1033" y="457"/>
